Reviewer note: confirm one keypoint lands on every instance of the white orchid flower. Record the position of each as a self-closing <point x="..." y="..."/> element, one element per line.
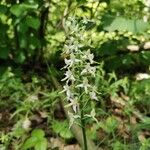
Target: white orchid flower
<point x="74" y="103"/>
<point x="93" y="96"/>
<point x="66" y="49"/>
<point x="84" y="85"/>
<point x="69" y="62"/>
<point x="89" y="69"/>
<point x="89" y="56"/>
<point x="92" y="115"/>
<point x="72" y="118"/>
<point x="68" y="92"/>
<point x="69" y="76"/>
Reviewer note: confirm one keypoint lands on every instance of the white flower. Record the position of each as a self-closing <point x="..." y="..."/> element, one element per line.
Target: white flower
<point x="68" y="92"/>
<point x="89" y="69"/>
<point x="71" y="40"/>
<point x="68" y="63"/>
<point x="69" y="76"/>
<point x="66" y="49"/>
<point x="85" y="20"/>
<point x="74" y="103"/>
<point x="72" y="118"/>
<point x="93" y="96"/>
<point x="68" y="23"/>
<point x="75" y="46"/>
<point x="69" y="48"/>
<point x="75" y="28"/>
<point x="92" y="115"/>
<point x="26" y="124"/>
<point x="71" y="61"/>
<point x="89" y="56"/>
<point x="74" y="59"/>
<point x="84" y="85"/>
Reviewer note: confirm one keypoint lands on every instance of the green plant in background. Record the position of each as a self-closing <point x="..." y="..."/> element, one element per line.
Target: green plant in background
<point x="109" y="125"/>
<point x="11" y="89"/>
<point x="36" y="141"/>
<point x="119" y="146"/>
<point x="62" y="129"/>
<point x="24" y="26"/>
<point x="145" y="144"/>
<point x="23" y="99"/>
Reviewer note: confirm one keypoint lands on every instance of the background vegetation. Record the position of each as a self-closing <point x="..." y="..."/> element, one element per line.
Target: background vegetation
<point x="32" y="37"/>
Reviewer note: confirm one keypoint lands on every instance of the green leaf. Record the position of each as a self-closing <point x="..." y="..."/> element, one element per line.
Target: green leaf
<point x="118" y="146"/>
<point x="66" y="133"/>
<point x="62" y="128"/>
<point x="33" y="22"/>
<point x="39" y="133"/>
<point x="81" y="1"/>
<point x="93" y="130"/>
<point x="17" y="10"/>
<point x="109" y="125"/>
<point x="57" y="126"/>
<point x="4" y="51"/>
<point x="34" y="43"/>
<point x="19" y="132"/>
<point x="122" y="24"/>
<point x="20" y="58"/>
<point x="29" y="143"/>
<point x="41" y="145"/>
<point x="3" y="9"/>
<point x="23" y="40"/>
<point x="30" y="5"/>
<point x="22" y="27"/>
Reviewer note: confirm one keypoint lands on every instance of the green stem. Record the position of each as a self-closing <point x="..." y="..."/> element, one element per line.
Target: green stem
<point x="82" y="105"/>
<point x="83" y="129"/>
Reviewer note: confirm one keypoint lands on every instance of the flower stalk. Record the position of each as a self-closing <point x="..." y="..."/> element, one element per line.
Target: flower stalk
<point x="83" y="126"/>
<point x="79" y="75"/>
